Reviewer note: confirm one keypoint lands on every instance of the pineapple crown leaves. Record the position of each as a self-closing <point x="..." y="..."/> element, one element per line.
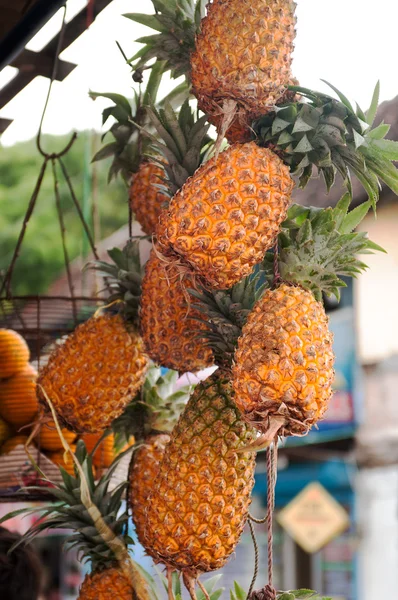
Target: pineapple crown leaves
<point x="123" y="277"/>
<point x="68" y="512"/>
<point x="316" y="246"/>
<point x="127" y="145"/>
<point x="329" y="134"/>
<point x="225" y="312"/>
<point x="156" y="408"/>
<point x="183" y="141"/>
<point x="176" y="22"/>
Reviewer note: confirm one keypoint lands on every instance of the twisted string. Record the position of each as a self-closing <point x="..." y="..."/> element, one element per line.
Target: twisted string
<point x="256" y="559"/>
<point x="268" y="592"/>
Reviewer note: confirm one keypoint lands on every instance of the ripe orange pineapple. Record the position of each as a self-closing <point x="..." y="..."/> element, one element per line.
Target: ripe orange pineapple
<point x="14" y="353"/>
<point x="228" y="214"/>
<point x="144" y="471"/>
<point x="168" y="319"/>
<point x="284" y="362"/>
<point x="283" y="365"/>
<point x="18" y="399"/>
<point x="243" y="54"/>
<point x="109" y="584"/>
<point x="146" y="199"/>
<point x="200" y="499"/>
<point x="150" y="418"/>
<point x="93" y="375"/>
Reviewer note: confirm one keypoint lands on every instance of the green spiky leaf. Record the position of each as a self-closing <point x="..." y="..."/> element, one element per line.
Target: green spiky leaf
<point x="322" y="132"/>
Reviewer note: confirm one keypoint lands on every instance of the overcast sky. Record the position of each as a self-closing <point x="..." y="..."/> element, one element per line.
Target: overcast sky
<point x="350" y="43"/>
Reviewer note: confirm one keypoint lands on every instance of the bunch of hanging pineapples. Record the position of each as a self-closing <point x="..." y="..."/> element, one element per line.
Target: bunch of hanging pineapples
<point x="235" y="280"/>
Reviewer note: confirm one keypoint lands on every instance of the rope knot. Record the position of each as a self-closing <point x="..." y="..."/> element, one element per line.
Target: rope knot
<point x="267" y="593"/>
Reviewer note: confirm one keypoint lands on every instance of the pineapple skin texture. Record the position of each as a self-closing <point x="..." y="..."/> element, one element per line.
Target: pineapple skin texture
<point x="92" y="377"/>
<point x="144" y="471"/>
<point x="200" y="500"/>
<point x="168" y="322"/>
<point x="284" y="361"/>
<point x="110" y="584"/>
<point x="228" y="214"/>
<point x="244" y="53"/>
<point x="146" y="200"/>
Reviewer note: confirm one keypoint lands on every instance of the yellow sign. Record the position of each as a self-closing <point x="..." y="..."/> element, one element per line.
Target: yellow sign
<point x="313" y="518"/>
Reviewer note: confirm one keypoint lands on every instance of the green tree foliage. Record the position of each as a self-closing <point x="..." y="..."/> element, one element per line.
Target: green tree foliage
<point x="41" y="260"/>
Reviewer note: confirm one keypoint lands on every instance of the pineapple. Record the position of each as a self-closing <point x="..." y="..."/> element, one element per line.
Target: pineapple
<point x="243" y="54"/>
<point x="14" y="353"/>
<point x="114" y="575"/>
<point x="283" y="369"/>
<point x="150" y="418"/>
<point x="18" y="399"/>
<point x="143" y="472"/>
<point x="228" y="214"/>
<point x="223" y="40"/>
<point x="200" y="499"/>
<point x="94" y="374"/>
<point x="168" y="317"/>
<point x="146" y="199"/>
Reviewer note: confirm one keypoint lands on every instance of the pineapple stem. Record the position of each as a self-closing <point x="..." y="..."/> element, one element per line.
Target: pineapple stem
<point x="228" y="111"/>
<point x="204" y="591"/>
<point x="189" y="582"/>
<point x="170" y="594"/>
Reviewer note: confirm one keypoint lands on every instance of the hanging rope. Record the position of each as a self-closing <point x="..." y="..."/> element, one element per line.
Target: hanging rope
<point x="268" y="592"/>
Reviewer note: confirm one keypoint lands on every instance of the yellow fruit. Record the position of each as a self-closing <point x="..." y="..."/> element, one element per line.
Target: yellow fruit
<point x="14" y="353"/>
<point x="109" y="584"/>
<point x="243" y="53"/>
<point x="228" y="214"/>
<point x="146" y="199"/>
<point x="5" y="431"/>
<point x="200" y="499"/>
<point x="169" y="324"/>
<point x="18" y="399"/>
<point x="284" y="362"/>
<point x="92" y="377"/>
<point x="12" y="443"/>
<point x="48" y="437"/>
<point x="144" y="471"/>
<point x="58" y="458"/>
